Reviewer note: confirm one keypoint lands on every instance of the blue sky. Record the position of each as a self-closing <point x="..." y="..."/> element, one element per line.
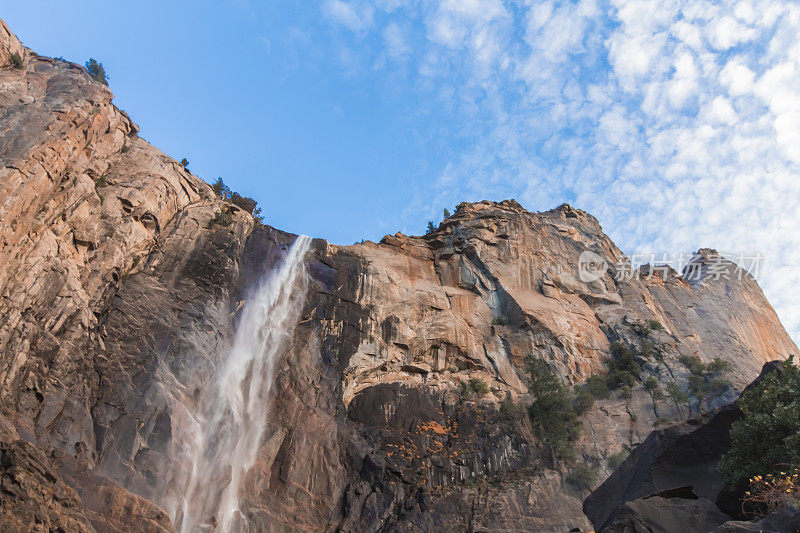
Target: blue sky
<point x="254" y="95"/>
<point x="677" y="124"/>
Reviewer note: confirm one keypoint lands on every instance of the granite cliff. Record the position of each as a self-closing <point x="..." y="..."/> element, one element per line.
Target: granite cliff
<point x="121" y="286"/>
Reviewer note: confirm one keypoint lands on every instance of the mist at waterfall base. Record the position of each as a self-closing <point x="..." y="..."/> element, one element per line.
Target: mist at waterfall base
<point x="220" y="442"/>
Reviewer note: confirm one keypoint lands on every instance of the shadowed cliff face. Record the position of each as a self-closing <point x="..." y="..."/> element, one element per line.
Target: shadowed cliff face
<point x="671" y="481"/>
<point x="119" y="292"/>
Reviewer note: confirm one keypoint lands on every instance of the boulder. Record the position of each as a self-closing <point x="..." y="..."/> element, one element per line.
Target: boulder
<point x="656" y="514"/>
<point x="682" y="455"/>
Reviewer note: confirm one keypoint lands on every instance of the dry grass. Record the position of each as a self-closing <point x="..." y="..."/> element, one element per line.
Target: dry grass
<point x="769" y="493"/>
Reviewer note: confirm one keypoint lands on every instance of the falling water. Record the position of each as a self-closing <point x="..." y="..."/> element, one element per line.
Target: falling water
<point x="223" y="440"/>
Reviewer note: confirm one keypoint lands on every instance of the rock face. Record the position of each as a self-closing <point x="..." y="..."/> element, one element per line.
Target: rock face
<point x="120" y="288"/>
<point x="670" y="482"/>
<point x="681" y="456"/>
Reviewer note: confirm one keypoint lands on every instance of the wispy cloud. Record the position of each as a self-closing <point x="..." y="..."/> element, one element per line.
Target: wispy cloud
<point x="355" y="16"/>
<point x="676" y="123"/>
<point x="395" y="40"/>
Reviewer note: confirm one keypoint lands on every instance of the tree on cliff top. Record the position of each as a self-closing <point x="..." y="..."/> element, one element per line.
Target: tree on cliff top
<point x="96" y="71"/>
<point x="244" y="202"/>
<point x="221" y="190"/>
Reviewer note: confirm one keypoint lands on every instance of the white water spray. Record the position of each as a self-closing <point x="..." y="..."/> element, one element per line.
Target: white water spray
<point x="223" y="440"/>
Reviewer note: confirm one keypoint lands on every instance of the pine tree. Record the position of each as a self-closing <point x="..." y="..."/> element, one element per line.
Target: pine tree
<point x="222" y="190"/>
<point x="96" y="71"/>
<point x="552" y="415"/>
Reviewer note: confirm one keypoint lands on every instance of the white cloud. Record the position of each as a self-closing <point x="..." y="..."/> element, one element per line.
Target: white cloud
<point x="744" y="11"/>
<point x="722" y="111"/>
<point x="479" y="27"/>
<point x="355" y="16"/>
<point x="395" y="40"/>
<point x="684" y="83"/>
<point x="676" y="123"/>
<point x="737" y="77"/>
<point x="728" y="32"/>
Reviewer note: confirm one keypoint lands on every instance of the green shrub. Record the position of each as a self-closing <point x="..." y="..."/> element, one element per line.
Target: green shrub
<point x="705" y="381"/>
<point x="102" y="181"/>
<point x="478" y="386"/>
<point x="222" y="217"/>
<point x="508" y="409"/>
<point x="623" y="369"/>
<point x="697" y="385"/>
<point x="499" y="321"/>
<point x="16" y="61"/>
<point x="626" y="392"/>
<point x="624" y="357"/>
<point x="676" y="394"/>
<point x="766" y="439"/>
<point x="446" y="213"/>
<point x="184" y="163"/>
<point x="597" y="386"/>
<point x="693" y="363"/>
<point x="717" y="386"/>
<point x="582" y="477"/>
<point x="552" y="414"/>
<point x="718" y="366"/>
<point x="655" y="325"/>
<point x="616" y="459"/>
<point x="617" y="379"/>
<point x="584" y="400"/>
<point x="431" y="228"/>
<point x="647" y="349"/>
<point x="653" y="388"/>
<point x="96" y="71"/>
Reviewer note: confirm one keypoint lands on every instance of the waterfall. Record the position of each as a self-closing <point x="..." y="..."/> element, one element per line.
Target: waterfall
<point x="221" y="442"/>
